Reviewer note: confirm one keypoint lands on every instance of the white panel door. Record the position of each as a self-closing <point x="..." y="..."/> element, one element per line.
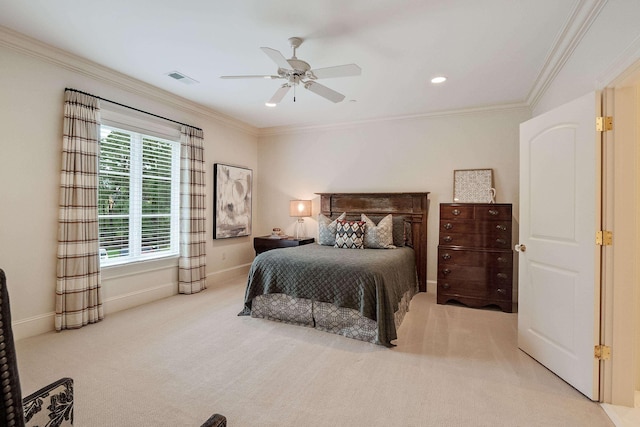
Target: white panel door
<point x="559" y="265"/>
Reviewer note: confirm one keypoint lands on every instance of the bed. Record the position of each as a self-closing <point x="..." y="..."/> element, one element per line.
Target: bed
<point x="358" y="293"/>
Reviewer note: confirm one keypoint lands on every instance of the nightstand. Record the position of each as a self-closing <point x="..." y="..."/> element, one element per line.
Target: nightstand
<point x="265" y="243"/>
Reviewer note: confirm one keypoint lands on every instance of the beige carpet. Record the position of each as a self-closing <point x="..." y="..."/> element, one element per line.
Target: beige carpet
<point x="176" y="361"/>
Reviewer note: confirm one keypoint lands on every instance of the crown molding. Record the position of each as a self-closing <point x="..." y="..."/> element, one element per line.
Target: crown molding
<point x="295" y="129"/>
<point x="580" y="20"/>
<point x="582" y="16"/>
<point x="42" y="51"/>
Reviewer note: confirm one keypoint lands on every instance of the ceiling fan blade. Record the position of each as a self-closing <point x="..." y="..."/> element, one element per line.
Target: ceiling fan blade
<point x="324" y="91"/>
<point x="261" y="76"/>
<point x="280" y="93"/>
<point x="337" y="71"/>
<point x="277" y="57"/>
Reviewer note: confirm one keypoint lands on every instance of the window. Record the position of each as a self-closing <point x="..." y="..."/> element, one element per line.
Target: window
<point x="138" y="196"/>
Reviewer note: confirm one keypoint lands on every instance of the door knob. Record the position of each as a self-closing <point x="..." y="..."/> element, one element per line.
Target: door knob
<point x="520" y="248"/>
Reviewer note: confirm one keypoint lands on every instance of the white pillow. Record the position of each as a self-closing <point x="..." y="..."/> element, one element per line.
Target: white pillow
<point x="378" y="236"/>
<point x="327" y="229"/>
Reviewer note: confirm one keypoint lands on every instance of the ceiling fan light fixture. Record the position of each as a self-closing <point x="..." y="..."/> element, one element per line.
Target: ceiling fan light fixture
<point x="270" y="104"/>
<point x="438" y="80"/>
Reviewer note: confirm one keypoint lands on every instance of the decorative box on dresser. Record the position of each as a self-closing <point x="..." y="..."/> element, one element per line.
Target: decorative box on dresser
<point x="475" y="260"/>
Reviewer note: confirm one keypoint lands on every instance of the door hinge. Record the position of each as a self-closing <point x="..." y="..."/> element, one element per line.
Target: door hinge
<point x="602" y="352"/>
<point x="604" y="238"/>
<point x="604" y="124"/>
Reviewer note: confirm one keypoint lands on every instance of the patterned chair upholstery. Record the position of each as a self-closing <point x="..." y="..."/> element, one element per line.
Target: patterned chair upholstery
<point x="49" y="406"/>
<point x="216" y="420"/>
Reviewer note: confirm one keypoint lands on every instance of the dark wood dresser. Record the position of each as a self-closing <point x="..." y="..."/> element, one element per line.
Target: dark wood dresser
<point x="475" y="260"/>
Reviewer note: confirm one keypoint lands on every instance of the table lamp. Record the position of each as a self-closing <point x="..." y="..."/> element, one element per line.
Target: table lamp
<point x="300" y="209"/>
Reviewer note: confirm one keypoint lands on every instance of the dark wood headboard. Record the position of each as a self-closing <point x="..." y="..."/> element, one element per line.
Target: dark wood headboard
<point x="412" y="207"/>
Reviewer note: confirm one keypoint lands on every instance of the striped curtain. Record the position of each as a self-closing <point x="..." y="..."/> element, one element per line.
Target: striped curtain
<point x="192" y="275"/>
<point x="78" y="290"/>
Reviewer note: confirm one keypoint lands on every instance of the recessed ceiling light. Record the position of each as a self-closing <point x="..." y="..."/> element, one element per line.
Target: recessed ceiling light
<point x="270" y="104"/>
<point x="439" y="79"/>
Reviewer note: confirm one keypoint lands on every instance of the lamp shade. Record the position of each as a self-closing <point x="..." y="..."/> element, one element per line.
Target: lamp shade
<point x="300" y="208"/>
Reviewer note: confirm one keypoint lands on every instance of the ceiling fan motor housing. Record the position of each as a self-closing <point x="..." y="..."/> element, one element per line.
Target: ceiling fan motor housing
<point x="299" y="66"/>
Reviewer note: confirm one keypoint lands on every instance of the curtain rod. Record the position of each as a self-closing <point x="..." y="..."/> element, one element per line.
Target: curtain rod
<point x="132" y="108"/>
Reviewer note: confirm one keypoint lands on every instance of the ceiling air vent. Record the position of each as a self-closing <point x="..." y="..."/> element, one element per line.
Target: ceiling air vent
<point x="182" y="78"/>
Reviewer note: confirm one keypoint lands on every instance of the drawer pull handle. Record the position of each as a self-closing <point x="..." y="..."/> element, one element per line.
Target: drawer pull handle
<point x="501" y="259"/>
<point x="446" y="286"/>
<point x="448" y="226"/>
<point x="446" y="271"/>
<point x="446" y="256"/>
<point x="456" y="212"/>
<point x="493" y="212"/>
<point x="501" y="227"/>
<point x="501" y="241"/>
<point x="502" y="291"/>
<point x="501" y="276"/>
<point x="448" y="239"/>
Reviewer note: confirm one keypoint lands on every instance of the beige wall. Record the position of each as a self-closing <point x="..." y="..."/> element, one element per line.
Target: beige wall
<point x="31" y="108"/>
<point x="417" y="154"/>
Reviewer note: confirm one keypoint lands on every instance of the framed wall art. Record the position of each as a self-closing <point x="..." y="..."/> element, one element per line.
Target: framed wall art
<point x="473" y="186"/>
<point x="232" y="201"/>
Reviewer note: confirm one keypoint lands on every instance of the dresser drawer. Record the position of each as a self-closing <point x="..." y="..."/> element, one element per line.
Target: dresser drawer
<point x="493" y="240"/>
<point x="485" y="227"/>
<point x="474" y="289"/>
<point x="484" y="212"/>
<point x="456" y="212"/>
<point x="485" y="274"/>
<point x="453" y="256"/>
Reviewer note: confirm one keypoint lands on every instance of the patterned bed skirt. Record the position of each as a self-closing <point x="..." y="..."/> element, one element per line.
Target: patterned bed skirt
<point x="323" y="316"/>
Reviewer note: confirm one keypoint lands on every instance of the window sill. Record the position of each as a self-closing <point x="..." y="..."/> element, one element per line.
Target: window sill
<point x="138" y="267"/>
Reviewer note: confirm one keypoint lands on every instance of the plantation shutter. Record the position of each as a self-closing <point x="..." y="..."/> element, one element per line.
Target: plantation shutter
<point x="138" y="196"/>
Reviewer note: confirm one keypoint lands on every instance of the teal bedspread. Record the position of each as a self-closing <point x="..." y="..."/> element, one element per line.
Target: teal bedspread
<point x="371" y="281"/>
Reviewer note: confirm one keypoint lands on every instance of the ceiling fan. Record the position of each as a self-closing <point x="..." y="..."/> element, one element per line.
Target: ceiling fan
<point x="296" y="71"/>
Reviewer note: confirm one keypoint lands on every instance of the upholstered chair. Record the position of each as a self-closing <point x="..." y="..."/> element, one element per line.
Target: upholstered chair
<point x="216" y="420"/>
<point x="51" y="405"/>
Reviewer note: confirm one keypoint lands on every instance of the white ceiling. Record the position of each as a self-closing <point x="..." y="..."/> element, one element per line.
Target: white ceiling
<point x="492" y="51"/>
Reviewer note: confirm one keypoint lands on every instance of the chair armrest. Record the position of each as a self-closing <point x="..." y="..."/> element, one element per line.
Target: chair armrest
<point x="56" y="399"/>
<point x="215" y="420"/>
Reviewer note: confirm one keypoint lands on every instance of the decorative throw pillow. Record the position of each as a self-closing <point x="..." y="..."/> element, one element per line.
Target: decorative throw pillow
<point x="378" y="236"/>
<point x="398" y="231"/>
<point x="350" y="234"/>
<point x="327" y="229"/>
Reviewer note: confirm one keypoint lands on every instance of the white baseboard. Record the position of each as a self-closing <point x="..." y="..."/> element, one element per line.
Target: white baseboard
<point x="34" y="325"/>
<point x="219" y="277"/>
<point x="134" y="299"/>
<point x="43" y="323"/>
<point x="432" y="286"/>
